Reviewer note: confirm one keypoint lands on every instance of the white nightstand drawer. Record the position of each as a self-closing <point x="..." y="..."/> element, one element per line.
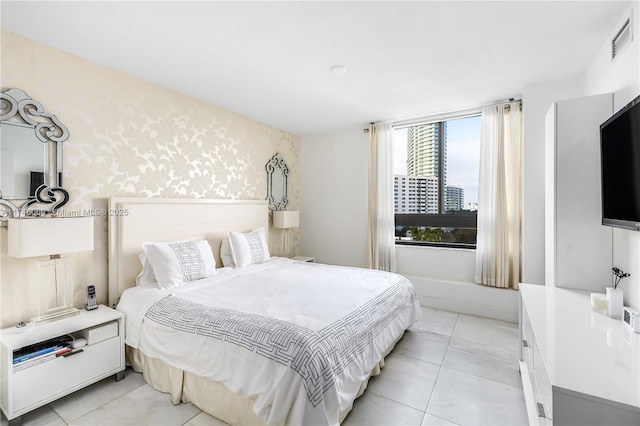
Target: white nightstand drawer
<point x="99" y="333"/>
<point x="48" y="380"/>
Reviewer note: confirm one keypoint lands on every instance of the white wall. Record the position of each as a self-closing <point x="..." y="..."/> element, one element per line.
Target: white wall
<point x="444" y="279"/>
<point x="602" y="75"/>
<point x="621" y="77"/>
<point x="333" y="206"/>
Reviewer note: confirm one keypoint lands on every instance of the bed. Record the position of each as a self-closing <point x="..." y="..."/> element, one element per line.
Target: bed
<point x="274" y="341"/>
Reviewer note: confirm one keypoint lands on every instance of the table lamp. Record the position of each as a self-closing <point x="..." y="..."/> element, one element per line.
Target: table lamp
<point x="286" y="219"/>
<point x="51" y="237"/>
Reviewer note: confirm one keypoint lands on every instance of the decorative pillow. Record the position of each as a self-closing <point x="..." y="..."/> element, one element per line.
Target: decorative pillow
<point x="225" y="253"/>
<point x="146" y="276"/>
<point x="250" y="248"/>
<point x="180" y="261"/>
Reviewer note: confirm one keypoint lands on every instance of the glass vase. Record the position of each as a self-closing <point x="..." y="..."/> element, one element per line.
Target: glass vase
<point x="614" y="302"/>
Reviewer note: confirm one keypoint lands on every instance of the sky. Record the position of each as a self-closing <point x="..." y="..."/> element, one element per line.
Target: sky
<point x="463" y="155"/>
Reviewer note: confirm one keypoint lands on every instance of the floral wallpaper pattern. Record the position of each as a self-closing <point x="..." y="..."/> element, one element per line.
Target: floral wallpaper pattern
<point x="129" y="137"/>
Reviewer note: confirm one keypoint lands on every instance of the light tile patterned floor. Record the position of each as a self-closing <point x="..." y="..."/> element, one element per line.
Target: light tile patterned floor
<point x="448" y="369"/>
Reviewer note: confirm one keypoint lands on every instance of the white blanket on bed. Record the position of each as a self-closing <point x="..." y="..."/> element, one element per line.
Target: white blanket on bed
<point x="297" y="337"/>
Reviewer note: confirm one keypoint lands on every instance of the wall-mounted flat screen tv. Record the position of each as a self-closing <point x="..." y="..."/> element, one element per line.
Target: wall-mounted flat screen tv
<point x="620" y="168"/>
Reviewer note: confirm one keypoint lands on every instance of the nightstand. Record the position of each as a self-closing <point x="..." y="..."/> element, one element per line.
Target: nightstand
<point x="304" y="259"/>
<point x="27" y="386"/>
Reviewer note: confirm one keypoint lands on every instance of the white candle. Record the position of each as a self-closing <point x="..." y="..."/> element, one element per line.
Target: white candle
<point x="599" y="303"/>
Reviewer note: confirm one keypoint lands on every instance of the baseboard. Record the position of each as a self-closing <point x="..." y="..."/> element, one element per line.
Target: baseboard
<point x="467" y="298"/>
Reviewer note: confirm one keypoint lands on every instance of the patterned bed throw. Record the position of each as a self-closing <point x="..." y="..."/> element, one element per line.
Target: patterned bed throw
<point x="318" y="357"/>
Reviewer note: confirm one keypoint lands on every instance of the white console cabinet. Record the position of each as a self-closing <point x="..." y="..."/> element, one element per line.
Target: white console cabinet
<point x="578" y="367"/>
<point x="31" y="387"/>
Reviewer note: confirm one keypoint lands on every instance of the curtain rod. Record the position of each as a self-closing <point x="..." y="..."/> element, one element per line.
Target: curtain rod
<point x="444" y="116"/>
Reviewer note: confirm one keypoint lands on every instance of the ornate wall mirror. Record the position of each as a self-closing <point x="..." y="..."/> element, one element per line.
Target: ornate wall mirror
<point x="277" y="172"/>
<point x="30" y="156"/>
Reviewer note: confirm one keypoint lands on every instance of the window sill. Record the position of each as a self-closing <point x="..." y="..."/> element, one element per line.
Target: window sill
<point x="426" y="244"/>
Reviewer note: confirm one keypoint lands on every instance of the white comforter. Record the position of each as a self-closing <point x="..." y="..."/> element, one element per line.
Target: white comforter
<point x="299" y="338"/>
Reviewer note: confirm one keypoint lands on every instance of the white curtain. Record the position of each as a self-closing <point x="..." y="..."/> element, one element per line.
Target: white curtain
<point x="381" y="236"/>
<point x="499" y="197"/>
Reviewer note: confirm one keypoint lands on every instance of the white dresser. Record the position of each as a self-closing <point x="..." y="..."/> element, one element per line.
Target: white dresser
<point x="578" y="367"/>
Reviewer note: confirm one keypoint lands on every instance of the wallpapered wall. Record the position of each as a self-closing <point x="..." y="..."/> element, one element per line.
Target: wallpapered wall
<point x="129" y="137"/>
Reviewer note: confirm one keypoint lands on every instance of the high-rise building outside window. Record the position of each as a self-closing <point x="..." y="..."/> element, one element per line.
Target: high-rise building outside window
<point x="454" y="199"/>
<point x="436" y="182"/>
<point x="423" y="146"/>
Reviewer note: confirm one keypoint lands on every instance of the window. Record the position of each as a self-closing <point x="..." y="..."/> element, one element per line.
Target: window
<point x="436" y="182"/>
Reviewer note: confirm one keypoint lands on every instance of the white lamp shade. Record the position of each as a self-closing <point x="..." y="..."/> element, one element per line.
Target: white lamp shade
<point x="286" y="219"/>
<point x="46" y="236"/>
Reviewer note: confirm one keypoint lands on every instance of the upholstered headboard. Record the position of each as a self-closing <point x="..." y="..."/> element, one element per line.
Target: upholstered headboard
<point x="133" y="221"/>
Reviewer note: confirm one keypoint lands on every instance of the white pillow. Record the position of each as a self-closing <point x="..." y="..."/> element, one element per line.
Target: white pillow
<point x="225" y="253"/>
<point x="146" y="276"/>
<point x="180" y="261"/>
<point x="249" y="248"/>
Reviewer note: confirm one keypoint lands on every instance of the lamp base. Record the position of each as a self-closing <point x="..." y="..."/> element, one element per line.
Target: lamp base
<point x="288" y="250"/>
<point x="55" y="280"/>
<point x="55" y="315"/>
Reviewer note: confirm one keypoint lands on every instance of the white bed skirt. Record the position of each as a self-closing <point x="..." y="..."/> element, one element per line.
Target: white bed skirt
<point x="212" y="397"/>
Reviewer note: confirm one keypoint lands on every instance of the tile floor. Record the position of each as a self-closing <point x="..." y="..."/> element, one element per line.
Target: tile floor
<point x="449" y="369"/>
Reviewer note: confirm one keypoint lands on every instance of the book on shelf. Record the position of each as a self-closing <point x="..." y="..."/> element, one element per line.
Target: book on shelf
<point x="36" y="354"/>
<point x="41" y="350"/>
<point x="63" y="350"/>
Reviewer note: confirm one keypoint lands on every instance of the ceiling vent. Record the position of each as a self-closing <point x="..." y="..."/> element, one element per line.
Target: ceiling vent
<point x="623" y="38"/>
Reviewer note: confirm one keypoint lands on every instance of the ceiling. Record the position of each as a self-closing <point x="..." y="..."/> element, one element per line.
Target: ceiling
<point x="270" y="61"/>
